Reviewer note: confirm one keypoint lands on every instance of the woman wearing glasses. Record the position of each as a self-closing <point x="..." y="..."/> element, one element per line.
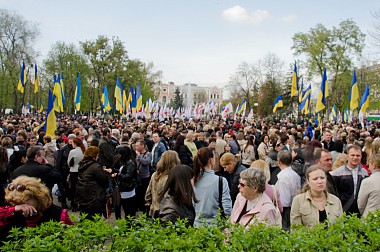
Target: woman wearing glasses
<point x="30" y="205"/>
<point x="252" y="205"/>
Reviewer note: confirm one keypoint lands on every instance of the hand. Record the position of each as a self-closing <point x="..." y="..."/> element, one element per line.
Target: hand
<point x="109" y="170"/>
<point x="26" y="209"/>
<point x="114" y="175"/>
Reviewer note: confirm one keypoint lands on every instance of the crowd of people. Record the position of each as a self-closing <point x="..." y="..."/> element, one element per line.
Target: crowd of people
<point x="279" y="173"/>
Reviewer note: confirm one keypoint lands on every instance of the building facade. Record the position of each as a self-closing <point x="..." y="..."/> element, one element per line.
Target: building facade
<point x="193" y="95"/>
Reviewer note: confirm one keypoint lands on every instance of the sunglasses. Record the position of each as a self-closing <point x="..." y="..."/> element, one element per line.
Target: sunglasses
<point x="19" y="188"/>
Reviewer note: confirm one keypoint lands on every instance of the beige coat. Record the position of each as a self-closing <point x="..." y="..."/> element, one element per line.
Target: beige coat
<point x="152" y="197"/>
<point x="369" y="194"/>
<point x="305" y="212"/>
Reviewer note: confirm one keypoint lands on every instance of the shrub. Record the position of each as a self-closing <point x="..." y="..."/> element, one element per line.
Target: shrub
<point x="142" y="234"/>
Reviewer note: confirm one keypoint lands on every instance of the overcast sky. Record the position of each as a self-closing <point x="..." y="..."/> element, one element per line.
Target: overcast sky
<point x="197" y="41"/>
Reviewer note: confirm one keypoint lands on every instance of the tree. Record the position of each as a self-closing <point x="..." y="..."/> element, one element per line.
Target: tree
<point x="69" y="60"/>
<point x="333" y="49"/>
<point x="178" y="99"/>
<point x="17" y="37"/>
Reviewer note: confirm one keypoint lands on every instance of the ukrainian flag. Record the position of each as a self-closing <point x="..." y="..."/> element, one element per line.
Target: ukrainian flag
<point x="305" y="102"/>
<point x="294" y="89"/>
<point x="354" y="94"/>
<point x="278" y="103"/>
<point x="138" y="98"/>
<point x="242" y="108"/>
<point x="106" y="106"/>
<point x="22" y="79"/>
<point x="57" y="92"/>
<point x="36" y="79"/>
<point x="77" y="94"/>
<point x="364" y="102"/>
<point x="323" y="93"/>
<point x="51" y="121"/>
<point x="118" y="97"/>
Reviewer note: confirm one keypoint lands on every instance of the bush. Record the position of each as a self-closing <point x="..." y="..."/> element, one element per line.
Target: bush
<point x="347" y="234"/>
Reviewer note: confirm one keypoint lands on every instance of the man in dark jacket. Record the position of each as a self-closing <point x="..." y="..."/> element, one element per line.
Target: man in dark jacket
<point x="37" y="166"/>
<point x="158" y="149"/>
<point x="106" y="154"/>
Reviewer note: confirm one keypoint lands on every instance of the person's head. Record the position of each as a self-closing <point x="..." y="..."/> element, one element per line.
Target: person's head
<point x="28" y="190"/>
<point x="315" y="180"/>
<point x="227" y="148"/>
<point x="7" y="142"/>
<point x="252" y="183"/>
<point x="116" y="133"/>
<point x="328" y="136"/>
<point x="32" y="140"/>
<point x="135" y="136"/>
<point x="203" y="159"/>
<point x="155" y="137"/>
<point x="262" y="165"/>
<point x="168" y="160"/>
<point x="179" y="141"/>
<point x="179" y="185"/>
<point x="264" y="138"/>
<point x="60" y="142"/>
<point x="284" y="159"/>
<point x="47" y="139"/>
<point x="212" y="142"/>
<point x="36" y="153"/>
<point x="340" y="160"/>
<point x="140" y="146"/>
<point x="91" y="153"/>
<point x="277" y="145"/>
<point x="201" y="137"/>
<point x="376" y="146"/>
<point x="79" y="134"/>
<point x="354" y="156"/>
<point x="374" y="162"/>
<point x="190" y="137"/>
<point x="70" y="138"/>
<point x="79" y="143"/>
<point x="228" y="161"/>
<point x="106" y="132"/>
<point x="250" y="141"/>
<point x="123" y="154"/>
<point x="323" y="158"/>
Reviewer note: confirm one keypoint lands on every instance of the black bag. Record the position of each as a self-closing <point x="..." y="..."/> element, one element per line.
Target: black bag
<point x="71" y="162"/>
<point x="220" y="197"/>
<point x="116" y="197"/>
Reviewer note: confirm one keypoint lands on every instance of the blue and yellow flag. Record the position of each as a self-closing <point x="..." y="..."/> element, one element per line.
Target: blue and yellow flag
<point x="364" y="102"/>
<point x="22" y="79"/>
<point x="278" y="103"/>
<point x="318" y="120"/>
<point x="124" y="97"/>
<point x="106" y="106"/>
<point x="354" y="93"/>
<point x="133" y="101"/>
<point x="57" y="94"/>
<point x="41" y="108"/>
<point x="242" y="107"/>
<point x="36" y="79"/>
<point x="300" y="92"/>
<point x="77" y="94"/>
<point x="346" y="115"/>
<point x="323" y="93"/>
<point x="304" y="106"/>
<point x="62" y="89"/>
<point x="51" y="121"/>
<point x="138" y="98"/>
<point x="294" y="90"/>
<point x="118" y="97"/>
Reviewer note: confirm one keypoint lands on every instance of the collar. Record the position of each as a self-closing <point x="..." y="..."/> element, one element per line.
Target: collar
<point x="328" y="198"/>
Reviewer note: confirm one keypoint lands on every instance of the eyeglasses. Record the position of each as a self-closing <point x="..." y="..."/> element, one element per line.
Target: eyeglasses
<point x="19" y="188"/>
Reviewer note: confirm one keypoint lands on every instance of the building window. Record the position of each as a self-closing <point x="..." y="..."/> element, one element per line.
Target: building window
<point x="164" y="99"/>
<point x="195" y="96"/>
<point x="164" y="90"/>
<point x="211" y="96"/>
<point x="217" y="97"/>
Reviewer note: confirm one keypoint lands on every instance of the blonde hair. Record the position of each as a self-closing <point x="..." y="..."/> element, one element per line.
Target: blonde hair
<point x="341" y="160"/>
<point x="167" y="161"/>
<point x="262" y="165"/>
<point x="227" y="159"/>
<point x="375" y="160"/>
<point x="376" y="146"/>
<point x="35" y="192"/>
<point x="368" y="146"/>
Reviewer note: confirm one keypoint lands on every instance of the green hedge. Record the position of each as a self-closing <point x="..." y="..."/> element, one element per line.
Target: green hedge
<point x="347" y="234"/>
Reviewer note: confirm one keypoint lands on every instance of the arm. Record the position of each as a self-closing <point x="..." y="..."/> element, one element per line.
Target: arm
<point x="363" y="196"/>
<point x="234" y="190"/>
<point x="128" y="171"/>
<point x="279" y="204"/>
<point x="148" y="194"/>
<point x="145" y="159"/>
<point x="295" y="215"/>
<point x="226" y="198"/>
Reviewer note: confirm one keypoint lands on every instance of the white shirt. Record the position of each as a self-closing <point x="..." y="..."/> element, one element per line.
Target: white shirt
<point x="288" y="184"/>
<point x="355" y="178"/>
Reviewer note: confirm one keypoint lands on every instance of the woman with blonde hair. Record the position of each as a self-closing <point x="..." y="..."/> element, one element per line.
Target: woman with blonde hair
<point x="315" y="205"/>
<point x="30" y="205"/>
<point x="190" y="143"/>
<point x="157" y="182"/>
<point x="369" y="193"/>
<point x="376" y="146"/>
<point x="270" y="190"/>
<point x="232" y="165"/>
<point x="340" y="160"/>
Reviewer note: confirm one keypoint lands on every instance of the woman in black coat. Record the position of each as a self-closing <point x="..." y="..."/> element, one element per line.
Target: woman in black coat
<point x="183" y="151"/>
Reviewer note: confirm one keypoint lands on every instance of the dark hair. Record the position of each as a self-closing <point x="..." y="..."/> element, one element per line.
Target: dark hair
<point x="3" y="159"/>
<point x="200" y="161"/>
<point x="263" y="137"/>
<point x="318" y="153"/>
<point x="250" y="141"/>
<point x="94" y="142"/>
<point x="142" y="142"/>
<point x="105" y="131"/>
<point x="179" y="185"/>
<point x="59" y="140"/>
<point x="123" y="155"/>
<point x="338" y="146"/>
<point x="79" y="143"/>
<point x="180" y="140"/>
<point x="285" y="157"/>
<point x="33" y="151"/>
<point x="212" y="139"/>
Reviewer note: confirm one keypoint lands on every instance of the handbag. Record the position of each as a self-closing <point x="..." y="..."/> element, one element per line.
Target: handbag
<point x="277" y="211"/>
<point x="116" y="197"/>
<point x="223" y="215"/>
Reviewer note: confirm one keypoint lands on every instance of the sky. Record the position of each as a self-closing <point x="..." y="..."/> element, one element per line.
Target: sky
<point x="194" y="41"/>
